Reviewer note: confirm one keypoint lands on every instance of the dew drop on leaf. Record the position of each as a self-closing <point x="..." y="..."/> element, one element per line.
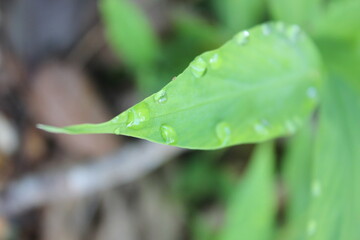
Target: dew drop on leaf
<point x="266" y="29"/>
<point x="215" y="61"/>
<point x="223" y="132"/>
<point x="168" y="134"/>
<point x="311" y="227"/>
<point x="117" y="131"/>
<point x="261" y="127"/>
<point x="311" y="92"/>
<point x="316" y="188"/>
<point x="161" y="96"/>
<point x="293" y="32"/>
<point x="242" y="38"/>
<point x="137" y="116"/>
<point x="198" y="67"/>
<point x="115" y="119"/>
<point x="290" y="126"/>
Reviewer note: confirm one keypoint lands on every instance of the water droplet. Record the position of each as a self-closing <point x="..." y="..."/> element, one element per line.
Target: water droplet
<point x="280" y="26"/>
<point x="117" y="131"/>
<point x="168" y="134"/>
<point x="223" y="132"/>
<point x="266" y="29"/>
<point x="137" y="115"/>
<point x="293" y="32"/>
<point x="242" y="38"/>
<point x="115" y="119"/>
<point x="261" y="127"/>
<point x="290" y="127"/>
<point x="311" y="92"/>
<point x="161" y="96"/>
<point x="215" y="61"/>
<point x="198" y="67"/>
<point x="316" y="188"/>
<point x="265" y="122"/>
<point x="311" y="227"/>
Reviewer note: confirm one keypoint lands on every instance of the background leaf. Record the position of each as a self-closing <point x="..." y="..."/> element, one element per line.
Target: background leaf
<point x="129" y="32"/>
<point x="239" y="14"/>
<point x="300" y="12"/>
<point x="252" y="207"/>
<point x="296" y="174"/>
<point x="259" y="85"/>
<point x="339" y="20"/>
<point x="335" y="209"/>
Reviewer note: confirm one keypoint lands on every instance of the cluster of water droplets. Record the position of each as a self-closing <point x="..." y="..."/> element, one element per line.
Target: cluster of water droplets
<point x="263" y="126"/>
<point x="316" y="191"/>
<point x="140" y="113"/>
<point x="292" y="32"/>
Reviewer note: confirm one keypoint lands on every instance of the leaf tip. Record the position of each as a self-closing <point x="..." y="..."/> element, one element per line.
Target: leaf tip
<point x="52" y="129"/>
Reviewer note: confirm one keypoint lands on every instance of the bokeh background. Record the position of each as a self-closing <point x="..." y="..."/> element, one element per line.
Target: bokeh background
<point x="58" y="66"/>
<point x="65" y="62"/>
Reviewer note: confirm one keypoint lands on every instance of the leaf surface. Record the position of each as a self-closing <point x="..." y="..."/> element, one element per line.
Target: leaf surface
<point x="259" y="85"/>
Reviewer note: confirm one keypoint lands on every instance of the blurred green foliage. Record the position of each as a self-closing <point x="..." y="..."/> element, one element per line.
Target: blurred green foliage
<point x="251" y="209"/>
<point x="321" y="166"/>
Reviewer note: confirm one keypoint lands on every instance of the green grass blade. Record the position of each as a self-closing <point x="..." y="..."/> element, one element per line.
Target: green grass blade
<point x="129" y="32"/>
<point x="296" y="174"/>
<point x="239" y="14"/>
<point x="302" y="12"/>
<point x="252" y="208"/>
<point x="335" y="202"/>
<point x="339" y="20"/>
<point x="259" y="85"/>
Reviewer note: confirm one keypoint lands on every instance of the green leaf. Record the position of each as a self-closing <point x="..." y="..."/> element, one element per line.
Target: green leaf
<point x="259" y="85"/>
<point x="297" y="174"/>
<point x="252" y="208"/>
<point x="339" y="20"/>
<point x="129" y="32"/>
<point x="300" y="12"/>
<point x="239" y="14"/>
<point x="297" y="164"/>
<point x="199" y="177"/>
<point x="335" y="203"/>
